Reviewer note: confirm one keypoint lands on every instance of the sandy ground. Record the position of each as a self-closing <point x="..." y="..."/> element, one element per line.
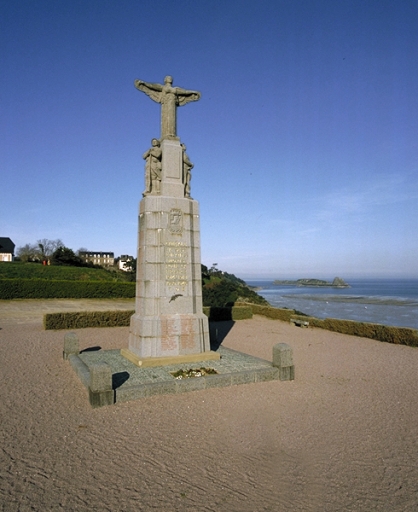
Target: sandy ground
<point x="342" y="437"/>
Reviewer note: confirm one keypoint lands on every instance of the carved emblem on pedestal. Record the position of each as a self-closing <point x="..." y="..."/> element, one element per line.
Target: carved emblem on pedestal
<point x="175" y="221"/>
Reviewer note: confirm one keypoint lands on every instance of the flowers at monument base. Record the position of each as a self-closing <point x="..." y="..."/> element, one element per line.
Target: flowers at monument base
<point x="196" y="372"/>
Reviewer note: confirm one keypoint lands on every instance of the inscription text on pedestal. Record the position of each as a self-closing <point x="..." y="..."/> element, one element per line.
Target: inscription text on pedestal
<point x="176" y="265"/>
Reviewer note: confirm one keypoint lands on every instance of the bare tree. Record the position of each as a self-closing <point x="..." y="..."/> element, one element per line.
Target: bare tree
<point x="48" y="247"/>
<point x="28" y="252"/>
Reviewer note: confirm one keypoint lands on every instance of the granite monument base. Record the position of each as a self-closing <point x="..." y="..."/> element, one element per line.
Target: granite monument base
<point x="110" y="377"/>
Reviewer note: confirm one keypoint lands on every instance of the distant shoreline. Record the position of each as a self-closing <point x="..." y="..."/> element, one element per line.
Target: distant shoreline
<point x="381" y="301"/>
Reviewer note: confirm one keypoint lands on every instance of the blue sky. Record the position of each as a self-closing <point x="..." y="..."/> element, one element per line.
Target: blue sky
<point x="304" y="142"/>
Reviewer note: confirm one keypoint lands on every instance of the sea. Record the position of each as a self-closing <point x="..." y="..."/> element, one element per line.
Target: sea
<point x="384" y="301"/>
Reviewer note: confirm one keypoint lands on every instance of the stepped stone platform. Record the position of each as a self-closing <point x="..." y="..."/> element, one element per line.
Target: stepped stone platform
<point x="126" y="381"/>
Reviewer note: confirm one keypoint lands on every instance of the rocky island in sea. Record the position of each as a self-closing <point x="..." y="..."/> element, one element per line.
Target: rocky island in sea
<point x="337" y="283"/>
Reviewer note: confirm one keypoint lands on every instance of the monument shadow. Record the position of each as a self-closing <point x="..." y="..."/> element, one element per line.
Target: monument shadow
<point x="218" y="330"/>
<point x="119" y="378"/>
<point x="91" y="349"/>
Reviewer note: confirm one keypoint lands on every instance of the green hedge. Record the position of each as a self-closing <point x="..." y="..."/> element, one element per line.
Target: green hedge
<point x="80" y="320"/>
<point x="20" y="270"/>
<point x="43" y="289"/>
<point x="56" y="321"/>
<point x="229" y="313"/>
<point x="275" y="313"/>
<point x="396" y="335"/>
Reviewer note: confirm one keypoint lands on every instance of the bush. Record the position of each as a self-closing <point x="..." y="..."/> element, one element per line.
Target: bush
<point x="388" y="334"/>
<point x="66" y="256"/>
<point x="274" y="313"/>
<point x="221" y="292"/>
<point x="43" y="289"/>
<point x="56" y="321"/>
<point x="397" y="335"/>
<point x="229" y="313"/>
<point x="81" y="320"/>
<point x="19" y="270"/>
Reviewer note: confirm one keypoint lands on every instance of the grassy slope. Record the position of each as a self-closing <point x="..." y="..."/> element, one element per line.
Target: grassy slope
<point x="218" y="290"/>
<point x="224" y="289"/>
<point x="18" y="270"/>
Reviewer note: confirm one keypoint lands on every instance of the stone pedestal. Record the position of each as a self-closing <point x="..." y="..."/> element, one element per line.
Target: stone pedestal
<point x="100" y="387"/>
<point x="169" y="325"/>
<point x="283" y="360"/>
<point x="71" y="345"/>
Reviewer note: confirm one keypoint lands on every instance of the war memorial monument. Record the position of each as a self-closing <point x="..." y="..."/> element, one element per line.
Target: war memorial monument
<point x="168" y="332"/>
<point x="168" y="325"/>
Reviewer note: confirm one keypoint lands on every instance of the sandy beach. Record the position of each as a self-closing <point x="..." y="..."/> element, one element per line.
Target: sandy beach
<point x="343" y="436"/>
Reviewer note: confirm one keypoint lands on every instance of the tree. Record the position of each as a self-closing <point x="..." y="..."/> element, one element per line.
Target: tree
<point x="65" y="256"/>
<point x="48" y="247"/>
<point x="221" y="289"/>
<point x="205" y="274"/>
<point x="28" y="252"/>
<point x="220" y="293"/>
<point x="214" y="268"/>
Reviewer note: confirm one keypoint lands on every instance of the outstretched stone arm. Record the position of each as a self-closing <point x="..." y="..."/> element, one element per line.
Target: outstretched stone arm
<point x="151" y="90"/>
<point x="184" y="96"/>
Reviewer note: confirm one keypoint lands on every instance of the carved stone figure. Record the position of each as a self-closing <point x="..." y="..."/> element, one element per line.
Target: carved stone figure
<point x="153" y="168"/>
<point x="187" y="175"/>
<point x="170" y="97"/>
